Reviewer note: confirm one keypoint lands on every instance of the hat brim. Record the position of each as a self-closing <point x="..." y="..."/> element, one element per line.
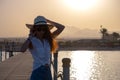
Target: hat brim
<point x="30" y="26"/>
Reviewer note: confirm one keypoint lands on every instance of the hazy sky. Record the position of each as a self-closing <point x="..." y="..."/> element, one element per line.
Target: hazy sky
<point x="14" y="14"/>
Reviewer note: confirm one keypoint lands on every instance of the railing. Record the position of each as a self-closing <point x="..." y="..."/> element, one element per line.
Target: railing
<point x="65" y="75"/>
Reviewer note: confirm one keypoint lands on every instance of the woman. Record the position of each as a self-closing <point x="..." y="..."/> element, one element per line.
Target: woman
<point x="41" y="44"/>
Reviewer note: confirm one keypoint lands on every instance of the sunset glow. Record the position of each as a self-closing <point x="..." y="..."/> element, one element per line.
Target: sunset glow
<point x="81" y="4"/>
<point x="82" y="17"/>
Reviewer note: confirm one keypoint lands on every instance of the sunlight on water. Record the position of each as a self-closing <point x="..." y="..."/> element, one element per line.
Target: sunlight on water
<point x="81" y="64"/>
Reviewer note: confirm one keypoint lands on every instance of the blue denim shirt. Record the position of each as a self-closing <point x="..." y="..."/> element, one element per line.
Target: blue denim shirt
<point x="41" y="52"/>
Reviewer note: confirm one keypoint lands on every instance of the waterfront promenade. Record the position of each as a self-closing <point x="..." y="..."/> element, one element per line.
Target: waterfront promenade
<point x="18" y="67"/>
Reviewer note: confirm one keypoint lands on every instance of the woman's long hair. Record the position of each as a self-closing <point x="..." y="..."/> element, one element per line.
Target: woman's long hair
<point x="51" y="40"/>
<point x="48" y="36"/>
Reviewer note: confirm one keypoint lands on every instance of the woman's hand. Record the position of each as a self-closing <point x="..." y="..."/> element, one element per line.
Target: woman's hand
<point x="59" y="27"/>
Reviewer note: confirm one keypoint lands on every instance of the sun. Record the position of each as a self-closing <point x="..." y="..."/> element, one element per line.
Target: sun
<point x="81" y="4"/>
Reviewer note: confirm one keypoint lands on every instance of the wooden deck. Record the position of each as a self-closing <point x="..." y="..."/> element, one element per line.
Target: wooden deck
<point x="18" y="67"/>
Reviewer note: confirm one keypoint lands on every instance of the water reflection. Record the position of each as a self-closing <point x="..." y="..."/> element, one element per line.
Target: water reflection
<point x="82" y="62"/>
<point x="92" y="65"/>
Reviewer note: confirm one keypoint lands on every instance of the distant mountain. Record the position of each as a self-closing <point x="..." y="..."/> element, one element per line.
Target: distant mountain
<point x="71" y="32"/>
<point x="76" y="33"/>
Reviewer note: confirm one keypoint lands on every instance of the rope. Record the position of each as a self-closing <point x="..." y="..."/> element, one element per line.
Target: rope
<point x="59" y="74"/>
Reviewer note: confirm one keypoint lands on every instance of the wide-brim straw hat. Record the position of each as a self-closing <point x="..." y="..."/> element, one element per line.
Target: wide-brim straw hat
<point x="40" y="20"/>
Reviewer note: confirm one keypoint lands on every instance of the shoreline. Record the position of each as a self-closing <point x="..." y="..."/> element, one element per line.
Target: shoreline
<point x="90" y="48"/>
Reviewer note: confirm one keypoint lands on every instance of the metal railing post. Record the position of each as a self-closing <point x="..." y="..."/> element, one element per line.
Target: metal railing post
<point x="66" y="70"/>
<point x="55" y="65"/>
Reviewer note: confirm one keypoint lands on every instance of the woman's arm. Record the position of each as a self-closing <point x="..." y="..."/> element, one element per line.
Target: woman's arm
<point x="59" y="27"/>
<point x="28" y="44"/>
<point x="25" y="45"/>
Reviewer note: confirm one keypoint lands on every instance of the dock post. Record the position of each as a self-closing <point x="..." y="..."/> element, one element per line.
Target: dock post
<point x="5" y="45"/>
<point x="10" y="54"/>
<point x="66" y="70"/>
<point x="11" y="47"/>
<point x="55" y="64"/>
<point x="0" y="55"/>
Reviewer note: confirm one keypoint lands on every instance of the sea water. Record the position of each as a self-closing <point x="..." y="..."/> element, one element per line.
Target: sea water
<point x="92" y="65"/>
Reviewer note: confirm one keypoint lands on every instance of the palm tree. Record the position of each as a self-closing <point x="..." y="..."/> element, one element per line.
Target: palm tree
<point x="115" y="35"/>
<point x="103" y="31"/>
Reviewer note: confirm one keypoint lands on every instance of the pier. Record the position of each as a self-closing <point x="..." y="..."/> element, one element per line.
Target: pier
<point x="18" y="67"/>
